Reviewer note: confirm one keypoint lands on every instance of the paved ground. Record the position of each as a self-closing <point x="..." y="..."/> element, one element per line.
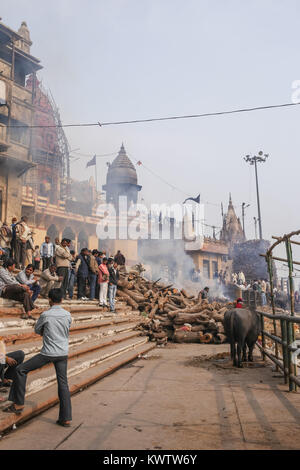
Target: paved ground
<point x="174" y="400"/>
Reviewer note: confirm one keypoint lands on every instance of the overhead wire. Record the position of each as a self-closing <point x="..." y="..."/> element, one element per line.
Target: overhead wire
<point x="164" y="118"/>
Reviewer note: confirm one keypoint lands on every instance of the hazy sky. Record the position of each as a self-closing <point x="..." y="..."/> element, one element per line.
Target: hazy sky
<point x="128" y="59"/>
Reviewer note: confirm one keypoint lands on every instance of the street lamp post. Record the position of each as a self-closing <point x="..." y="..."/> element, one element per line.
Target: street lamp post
<point x="255" y="225"/>
<point x="253" y="161"/>
<point x="244" y="206"/>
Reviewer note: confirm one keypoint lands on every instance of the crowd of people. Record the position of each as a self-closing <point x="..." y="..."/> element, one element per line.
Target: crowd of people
<point x="95" y="273"/>
<point x="60" y="268"/>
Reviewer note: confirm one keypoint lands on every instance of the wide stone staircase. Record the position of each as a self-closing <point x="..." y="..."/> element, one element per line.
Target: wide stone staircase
<point x="100" y="343"/>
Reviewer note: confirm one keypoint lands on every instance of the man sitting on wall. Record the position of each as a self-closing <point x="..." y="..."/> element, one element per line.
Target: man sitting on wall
<point x="26" y="277"/>
<point x="49" y="280"/>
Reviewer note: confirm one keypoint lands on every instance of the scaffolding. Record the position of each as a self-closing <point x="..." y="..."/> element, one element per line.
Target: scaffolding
<point x="57" y="160"/>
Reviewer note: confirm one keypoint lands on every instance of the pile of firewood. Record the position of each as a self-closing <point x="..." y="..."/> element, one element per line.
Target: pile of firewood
<point x="171" y="313"/>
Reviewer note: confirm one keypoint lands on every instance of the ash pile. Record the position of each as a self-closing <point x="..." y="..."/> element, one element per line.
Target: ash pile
<point x="172" y="314"/>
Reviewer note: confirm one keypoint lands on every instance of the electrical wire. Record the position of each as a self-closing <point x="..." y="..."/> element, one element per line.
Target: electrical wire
<point x="165" y="118"/>
<point x="90" y="155"/>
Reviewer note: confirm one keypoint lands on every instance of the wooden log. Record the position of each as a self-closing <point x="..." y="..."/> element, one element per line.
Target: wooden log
<point x="194" y="309"/>
<point x="222" y="310"/>
<point x="160" y="335"/>
<point x="198" y="328"/>
<point x="128" y="299"/>
<point x="134" y="295"/>
<point x="181" y="336"/>
<point x="217" y="317"/>
<point x="153" y="311"/>
<point x="220" y="327"/>
<point x="207" y="338"/>
<point x="181" y="318"/>
<point x="219" y="338"/>
<point x="169" y="306"/>
<point x="184" y="293"/>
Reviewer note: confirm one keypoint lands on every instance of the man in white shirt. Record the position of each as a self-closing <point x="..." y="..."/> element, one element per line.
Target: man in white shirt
<point x="47" y="252"/>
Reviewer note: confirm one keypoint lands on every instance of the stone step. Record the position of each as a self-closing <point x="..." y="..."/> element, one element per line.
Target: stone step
<point x="81" y="358"/>
<point x="6" y="323"/>
<point x="79" y="378"/>
<point x="83" y="337"/>
<point x="18" y="333"/>
<point x="12" y="308"/>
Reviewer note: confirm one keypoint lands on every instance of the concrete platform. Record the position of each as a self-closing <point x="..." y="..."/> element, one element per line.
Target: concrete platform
<point x="174" y="399"/>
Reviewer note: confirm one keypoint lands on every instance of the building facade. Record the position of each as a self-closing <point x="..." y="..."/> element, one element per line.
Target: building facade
<point x="16" y="117"/>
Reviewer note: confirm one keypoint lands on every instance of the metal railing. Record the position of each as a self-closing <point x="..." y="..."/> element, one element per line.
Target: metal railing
<point x="287" y="361"/>
<point x="283" y="336"/>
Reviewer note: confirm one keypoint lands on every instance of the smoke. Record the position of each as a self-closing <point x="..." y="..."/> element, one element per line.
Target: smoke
<point x="168" y="261"/>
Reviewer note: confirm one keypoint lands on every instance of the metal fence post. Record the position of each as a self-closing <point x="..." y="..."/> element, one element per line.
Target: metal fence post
<point x="263" y="340"/>
<point x="292" y="298"/>
<point x="270" y="270"/>
<point x="290" y="340"/>
<point x="284" y="349"/>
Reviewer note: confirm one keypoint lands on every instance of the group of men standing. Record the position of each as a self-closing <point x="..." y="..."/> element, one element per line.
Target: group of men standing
<point x="61" y="268"/>
<point x="16" y="241"/>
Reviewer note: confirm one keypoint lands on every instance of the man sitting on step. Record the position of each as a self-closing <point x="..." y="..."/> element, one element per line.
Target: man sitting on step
<point x="26" y="277"/>
<point x="49" y="280"/>
<point x="8" y="365"/>
<point x="11" y="289"/>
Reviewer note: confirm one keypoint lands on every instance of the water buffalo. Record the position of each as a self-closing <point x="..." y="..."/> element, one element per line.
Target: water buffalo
<point x="241" y="326"/>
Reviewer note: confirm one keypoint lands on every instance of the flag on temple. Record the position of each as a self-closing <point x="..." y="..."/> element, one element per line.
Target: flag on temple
<point x="91" y="162"/>
<point x="195" y="199"/>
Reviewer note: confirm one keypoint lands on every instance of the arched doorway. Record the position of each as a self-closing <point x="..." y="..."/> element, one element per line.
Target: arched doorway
<point x="83" y="240"/>
<point x="52" y="232"/>
<point x="68" y="233"/>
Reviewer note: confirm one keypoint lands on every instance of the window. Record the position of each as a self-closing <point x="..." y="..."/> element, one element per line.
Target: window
<point x="206" y="270"/>
<point x="19" y="134"/>
<point x="214" y="266"/>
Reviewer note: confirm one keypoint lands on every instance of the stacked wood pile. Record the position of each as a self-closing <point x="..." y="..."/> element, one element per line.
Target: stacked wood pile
<point x="171" y="313"/>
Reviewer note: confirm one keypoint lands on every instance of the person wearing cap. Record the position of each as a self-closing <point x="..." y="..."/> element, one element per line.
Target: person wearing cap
<point x="239" y="303"/>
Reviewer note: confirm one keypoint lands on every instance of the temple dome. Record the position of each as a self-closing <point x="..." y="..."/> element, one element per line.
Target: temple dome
<point x="121" y="170"/>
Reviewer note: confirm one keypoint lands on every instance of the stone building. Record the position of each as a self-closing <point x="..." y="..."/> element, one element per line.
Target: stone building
<point x="232" y="231"/>
<point x="16" y="115"/>
<point x="209" y="255"/>
<point x="121" y="182"/>
<point x="34" y="162"/>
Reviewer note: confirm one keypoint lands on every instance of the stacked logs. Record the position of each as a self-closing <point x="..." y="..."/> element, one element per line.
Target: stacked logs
<point x="171" y="313"/>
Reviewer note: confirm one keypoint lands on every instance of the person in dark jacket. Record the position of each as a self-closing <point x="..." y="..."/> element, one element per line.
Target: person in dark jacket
<point x="112" y="285"/>
<point x="72" y="275"/>
<point x="120" y="259"/>
<point x="82" y="270"/>
<point x="204" y="293"/>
